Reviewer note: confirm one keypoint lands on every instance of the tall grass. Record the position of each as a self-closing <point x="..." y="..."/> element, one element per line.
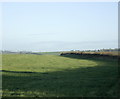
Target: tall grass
<point x="27" y="75"/>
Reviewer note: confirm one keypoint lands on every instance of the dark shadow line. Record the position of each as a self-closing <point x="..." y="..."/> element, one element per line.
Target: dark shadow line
<point x="16" y="71"/>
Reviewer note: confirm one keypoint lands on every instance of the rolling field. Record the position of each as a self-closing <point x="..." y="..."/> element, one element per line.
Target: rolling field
<point x="28" y="75"/>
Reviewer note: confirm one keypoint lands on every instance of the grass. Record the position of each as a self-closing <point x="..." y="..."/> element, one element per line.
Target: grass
<point x="50" y="53"/>
<point x="113" y="53"/>
<point x="28" y="75"/>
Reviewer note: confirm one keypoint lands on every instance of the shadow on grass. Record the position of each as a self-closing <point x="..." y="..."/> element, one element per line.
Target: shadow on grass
<point x="95" y="81"/>
<point x="92" y="57"/>
<point x="16" y="71"/>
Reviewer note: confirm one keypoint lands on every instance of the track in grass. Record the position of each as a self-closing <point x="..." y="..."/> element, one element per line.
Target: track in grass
<point x="27" y="75"/>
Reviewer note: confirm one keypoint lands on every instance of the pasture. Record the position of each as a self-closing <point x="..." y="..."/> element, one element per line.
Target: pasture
<point x="29" y="75"/>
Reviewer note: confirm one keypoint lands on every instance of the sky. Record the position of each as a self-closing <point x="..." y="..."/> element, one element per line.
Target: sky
<point x="60" y="26"/>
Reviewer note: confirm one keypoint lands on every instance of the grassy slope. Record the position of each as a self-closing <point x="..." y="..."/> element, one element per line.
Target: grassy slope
<point x="52" y="75"/>
<point x="50" y="53"/>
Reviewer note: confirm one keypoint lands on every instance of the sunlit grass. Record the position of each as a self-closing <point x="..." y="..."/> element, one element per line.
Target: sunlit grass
<point x="42" y="63"/>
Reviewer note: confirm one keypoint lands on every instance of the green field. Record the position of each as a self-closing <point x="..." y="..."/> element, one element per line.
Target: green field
<point x="29" y="75"/>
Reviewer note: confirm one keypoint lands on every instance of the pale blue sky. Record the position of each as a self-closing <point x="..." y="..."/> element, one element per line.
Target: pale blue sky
<point x="60" y="26"/>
